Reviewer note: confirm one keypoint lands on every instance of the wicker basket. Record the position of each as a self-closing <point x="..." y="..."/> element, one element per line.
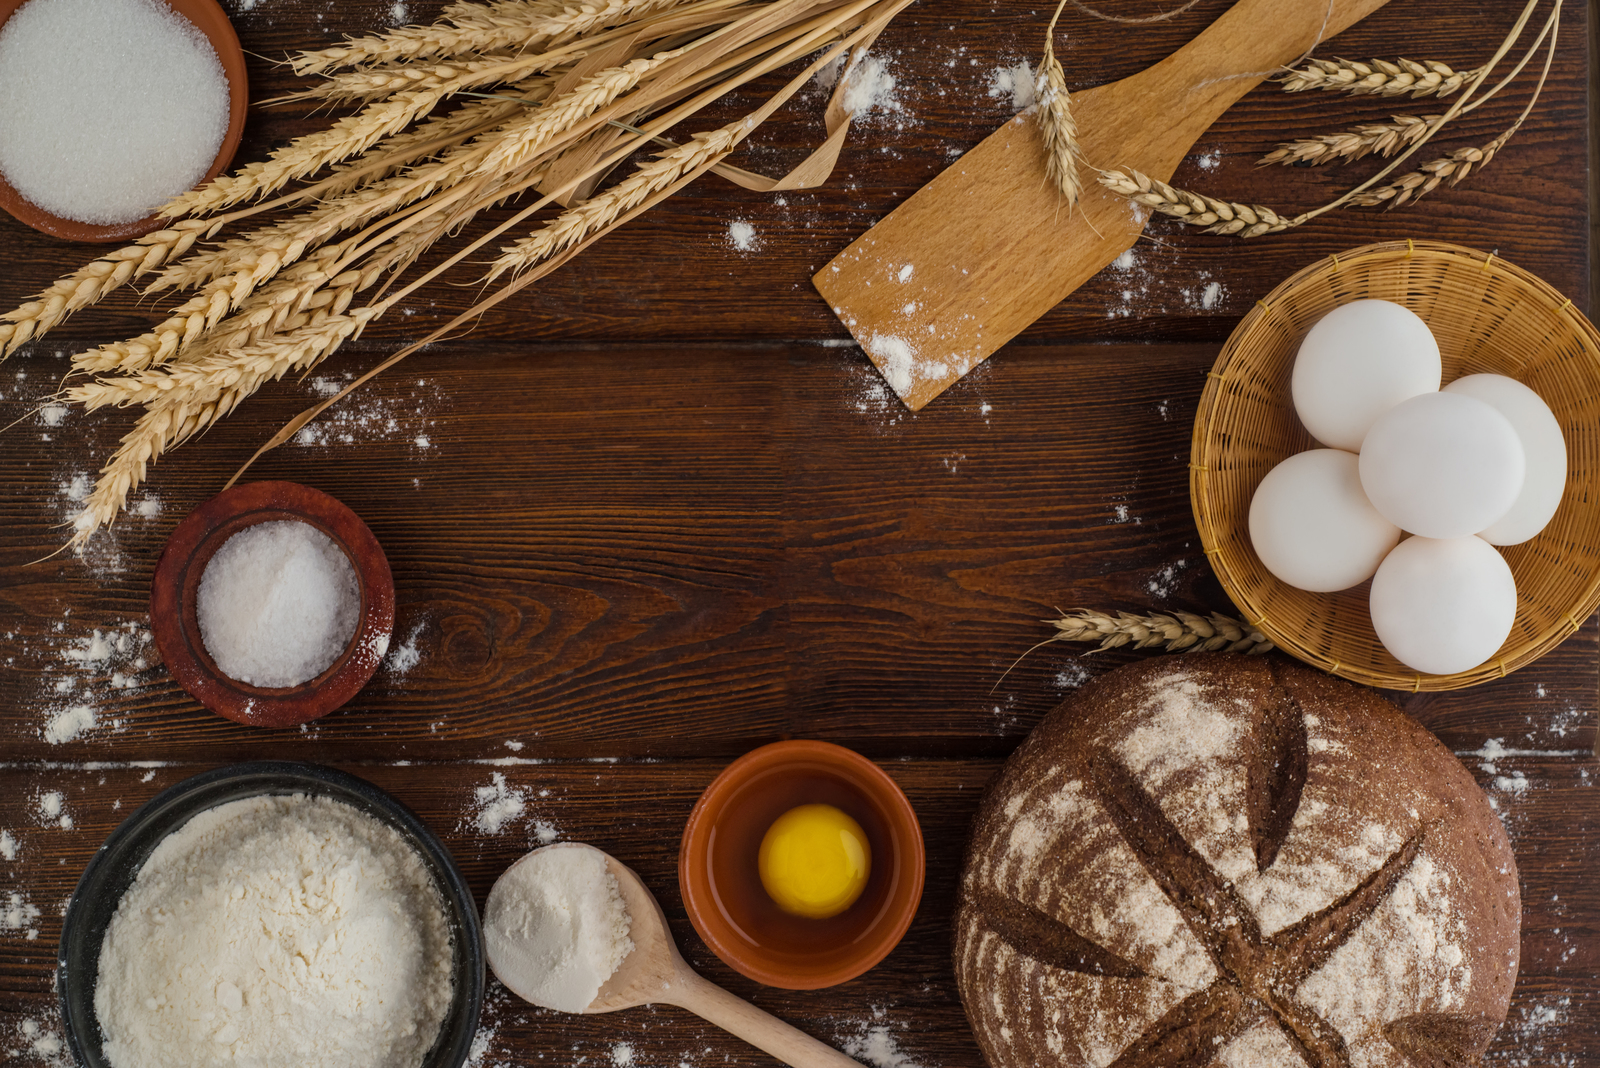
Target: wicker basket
<point x="1488" y="316"/>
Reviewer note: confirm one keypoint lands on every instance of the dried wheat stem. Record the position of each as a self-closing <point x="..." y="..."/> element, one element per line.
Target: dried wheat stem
<point x="194" y="397"/>
<point x="90" y="283"/>
<point x="573" y="225"/>
<point x="441" y="79"/>
<point x="1378" y="77"/>
<point x="1056" y="124"/>
<point x="478" y="29"/>
<point x="1373" y="138"/>
<point x="349" y="136"/>
<point x="1218" y="216"/>
<point x="1174" y="632"/>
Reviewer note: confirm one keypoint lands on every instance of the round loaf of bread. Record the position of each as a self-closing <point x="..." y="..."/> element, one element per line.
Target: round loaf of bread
<point x="1234" y="861"/>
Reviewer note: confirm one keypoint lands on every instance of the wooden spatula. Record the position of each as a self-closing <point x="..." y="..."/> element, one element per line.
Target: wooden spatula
<point x="988" y="246"/>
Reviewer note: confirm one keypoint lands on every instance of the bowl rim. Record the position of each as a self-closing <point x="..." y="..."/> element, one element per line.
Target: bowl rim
<point x="115" y="865"/>
<point x="1206" y="456"/>
<point x="181" y="566"/>
<point x="696" y="840"/>
<point x="208" y="17"/>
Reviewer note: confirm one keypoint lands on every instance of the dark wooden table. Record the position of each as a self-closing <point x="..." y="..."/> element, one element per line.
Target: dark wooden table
<point x="655" y="511"/>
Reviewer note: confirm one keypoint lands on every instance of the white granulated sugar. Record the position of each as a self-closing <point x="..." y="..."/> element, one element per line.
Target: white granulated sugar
<point x="283" y="930"/>
<point x="18" y="914"/>
<point x="1211" y="295"/>
<point x="53" y="414"/>
<point x="742" y="236"/>
<point x="67" y="725"/>
<point x="80" y="151"/>
<point x="8" y="846"/>
<point x="556" y="928"/>
<point x="277" y="604"/>
<point x="870" y="88"/>
<point x="1014" y="83"/>
<point x="497" y="804"/>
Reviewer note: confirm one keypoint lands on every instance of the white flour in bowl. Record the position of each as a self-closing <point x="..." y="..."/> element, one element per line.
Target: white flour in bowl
<point x="276" y="931"/>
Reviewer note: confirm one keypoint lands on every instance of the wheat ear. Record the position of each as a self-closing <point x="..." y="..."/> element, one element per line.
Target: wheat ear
<point x="1377" y="77"/>
<point x="597" y="212"/>
<point x="192" y="398"/>
<point x="1218" y="216"/>
<point x="1174" y="632"/>
<point x="1056" y="124"/>
<point x="1373" y="138"/>
<point x="94" y="281"/>
<point x="477" y="28"/>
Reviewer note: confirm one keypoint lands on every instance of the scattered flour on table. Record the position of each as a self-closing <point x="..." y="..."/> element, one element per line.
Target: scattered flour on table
<point x="870" y="89"/>
<point x="497" y="805"/>
<point x="743" y="237"/>
<point x="371" y="416"/>
<point x="41" y="1045"/>
<point x="18" y="914"/>
<point x="556" y="928"/>
<point x="1071" y="677"/>
<point x="52" y="810"/>
<point x="873" y="1042"/>
<point x="1162" y="584"/>
<point x="622" y="1054"/>
<point x="279" y="931"/>
<point x="1016" y="83"/>
<point x="405" y="656"/>
<point x="9" y="848"/>
<point x="53" y="414"/>
<point x="398" y="14"/>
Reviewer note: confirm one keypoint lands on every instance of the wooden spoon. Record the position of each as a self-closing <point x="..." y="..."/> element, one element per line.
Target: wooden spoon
<point x="655" y="973"/>
<point x="988" y="246"/>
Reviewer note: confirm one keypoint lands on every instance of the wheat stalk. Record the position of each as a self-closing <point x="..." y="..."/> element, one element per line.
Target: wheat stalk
<point x="94" y="281"/>
<point x="1059" y="129"/>
<point x="1377" y="77"/>
<point x="573" y="225"/>
<point x="188" y="398"/>
<point x="1195" y="209"/>
<point x="1174" y="632"/>
<point x="1373" y="138"/>
<point x="477" y="28"/>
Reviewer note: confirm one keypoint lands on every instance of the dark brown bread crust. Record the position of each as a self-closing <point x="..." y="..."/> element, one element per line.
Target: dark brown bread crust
<point x="1231" y="861"/>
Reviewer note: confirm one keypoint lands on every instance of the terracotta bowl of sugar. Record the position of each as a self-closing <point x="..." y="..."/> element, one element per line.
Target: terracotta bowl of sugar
<point x="113" y="107"/>
<point x="272" y="604"/>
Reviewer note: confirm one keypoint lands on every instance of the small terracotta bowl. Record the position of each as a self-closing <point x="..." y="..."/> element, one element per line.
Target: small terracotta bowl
<point x="175" y="589"/>
<point x="721" y="881"/>
<point x="210" y="20"/>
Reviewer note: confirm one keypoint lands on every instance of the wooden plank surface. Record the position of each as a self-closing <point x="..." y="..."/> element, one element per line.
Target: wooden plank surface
<point x="645" y="518"/>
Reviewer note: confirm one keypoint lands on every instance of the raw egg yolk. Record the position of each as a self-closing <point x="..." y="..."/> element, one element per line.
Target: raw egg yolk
<point x="814" y="861"/>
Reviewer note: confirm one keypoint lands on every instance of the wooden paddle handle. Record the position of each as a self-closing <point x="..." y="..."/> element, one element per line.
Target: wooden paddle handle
<point x="761" y="1029"/>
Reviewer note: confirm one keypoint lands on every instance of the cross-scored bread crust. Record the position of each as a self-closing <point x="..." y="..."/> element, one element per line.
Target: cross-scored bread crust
<point x="1231" y="861"/>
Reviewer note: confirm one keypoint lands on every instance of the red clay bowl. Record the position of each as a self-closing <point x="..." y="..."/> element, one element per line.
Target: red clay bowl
<point x="721" y="882"/>
<point x="176" y="586"/>
<point x="210" y="20"/>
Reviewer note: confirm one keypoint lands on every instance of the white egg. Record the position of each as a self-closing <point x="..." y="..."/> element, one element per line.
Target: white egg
<point x="1312" y="525"/>
<point x="1542" y="445"/>
<point x="1358" y="361"/>
<point x="1442" y="465"/>
<point x="1443" y="606"/>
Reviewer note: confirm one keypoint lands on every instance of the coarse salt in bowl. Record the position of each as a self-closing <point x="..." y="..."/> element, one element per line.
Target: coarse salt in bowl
<point x="209" y="665"/>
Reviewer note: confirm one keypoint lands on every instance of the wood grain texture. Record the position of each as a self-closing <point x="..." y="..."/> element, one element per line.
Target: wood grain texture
<point x="641" y="520"/>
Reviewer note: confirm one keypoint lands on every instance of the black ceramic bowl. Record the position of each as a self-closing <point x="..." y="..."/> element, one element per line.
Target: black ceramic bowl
<point x="117" y="864"/>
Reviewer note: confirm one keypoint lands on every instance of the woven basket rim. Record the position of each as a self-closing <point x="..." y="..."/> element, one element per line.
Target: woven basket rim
<point x="1205" y="454"/>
